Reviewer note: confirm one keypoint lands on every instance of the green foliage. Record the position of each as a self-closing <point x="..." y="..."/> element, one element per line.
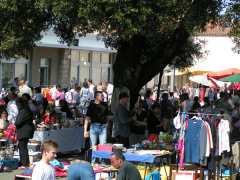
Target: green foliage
<point x="21" y="24"/>
<point x="157" y="24"/>
<point x="233" y="20"/>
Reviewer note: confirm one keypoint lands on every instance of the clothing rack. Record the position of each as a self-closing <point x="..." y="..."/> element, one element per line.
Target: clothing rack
<point x="217" y="173"/>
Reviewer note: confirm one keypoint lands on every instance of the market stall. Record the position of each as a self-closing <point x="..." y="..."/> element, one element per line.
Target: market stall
<point x="68" y="139"/>
<point x="142" y="156"/>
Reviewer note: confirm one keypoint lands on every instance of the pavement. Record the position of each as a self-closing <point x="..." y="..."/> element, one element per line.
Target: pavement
<point x="11" y="175"/>
<point x="68" y="158"/>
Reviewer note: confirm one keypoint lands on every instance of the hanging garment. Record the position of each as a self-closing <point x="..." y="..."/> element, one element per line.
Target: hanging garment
<point x="177" y="121"/>
<point x="223" y="136"/>
<point x="180" y="145"/>
<point x="195" y="141"/>
<point x="209" y="139"/>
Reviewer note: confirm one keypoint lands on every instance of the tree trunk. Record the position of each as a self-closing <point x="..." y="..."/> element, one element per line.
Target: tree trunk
<point x="139" y="60"/>
<point x="159" y="86"/>
<point x="130" y="74"/>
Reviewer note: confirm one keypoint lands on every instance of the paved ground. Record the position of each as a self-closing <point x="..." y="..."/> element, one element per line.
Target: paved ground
<point x="10" y="175"/>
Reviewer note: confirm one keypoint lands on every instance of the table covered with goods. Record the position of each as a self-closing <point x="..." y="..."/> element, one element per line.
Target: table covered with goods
<point x="68" y="133"/>
<point x="150" y="156"/>
<point x="7" y="147"/>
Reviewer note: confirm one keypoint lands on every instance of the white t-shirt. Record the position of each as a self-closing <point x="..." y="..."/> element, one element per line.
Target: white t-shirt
<point x="223" y="133"/>
<point x="24" y="89"/>
<point x="43" y="171"/>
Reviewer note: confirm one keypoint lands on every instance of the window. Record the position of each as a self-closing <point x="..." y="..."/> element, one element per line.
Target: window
<point x="105" y="67"/>
<point x="84" y="69"/>
<point x="44" y="71"/>
<point x="105" y="59"/>
<point x="7" y="74"/>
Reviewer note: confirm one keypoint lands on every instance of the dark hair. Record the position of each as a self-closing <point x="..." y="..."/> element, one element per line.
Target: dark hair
<point x="118" y="154"/>
<point x="148" y="93"/>
<point x="85" y="84"/>
<point x="185" y="96"/>
<point x="195" y="99"/>
<point x="156" y="105"/>
<point x="165" y="96"/>
<point x="123" y="95"/>
<point x="97" y="93"/>
<point x="22" y="103"/>
<point x="3" y="110"/>
<point x="206" y="101"/>
<point x="38" y="89"/>
<point x="26" y="96"/>
<point x="13" y="89"/>
<point x="222" y="94"/>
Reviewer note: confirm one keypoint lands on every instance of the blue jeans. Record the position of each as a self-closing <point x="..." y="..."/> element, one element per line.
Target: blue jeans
<point x="98" y="131"/>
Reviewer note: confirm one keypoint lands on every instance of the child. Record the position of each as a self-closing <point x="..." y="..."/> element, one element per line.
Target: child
<point x="49" y="117"/>
<point x="3" y="119"/>
<point x="43" y="170"/>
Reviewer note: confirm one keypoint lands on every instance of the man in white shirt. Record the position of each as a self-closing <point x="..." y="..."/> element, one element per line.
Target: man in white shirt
<point x="43" y="170"/>
<point x="24" y="88"/>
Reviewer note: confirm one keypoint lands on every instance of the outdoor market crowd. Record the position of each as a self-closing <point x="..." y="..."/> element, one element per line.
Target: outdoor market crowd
<point x="25" y="108"/>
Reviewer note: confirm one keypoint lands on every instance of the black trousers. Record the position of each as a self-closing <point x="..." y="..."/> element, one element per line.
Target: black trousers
<point x="23" y="151"/>
<point x="123" y="140"/>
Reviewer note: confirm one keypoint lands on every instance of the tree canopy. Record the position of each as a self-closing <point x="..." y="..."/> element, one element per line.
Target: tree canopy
<point x="116" y="20"/>
<point x="233" y="19"/>
<point x="148" y="34"/>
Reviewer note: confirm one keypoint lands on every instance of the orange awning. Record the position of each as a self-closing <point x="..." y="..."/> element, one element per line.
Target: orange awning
<point x="224" y="73"/>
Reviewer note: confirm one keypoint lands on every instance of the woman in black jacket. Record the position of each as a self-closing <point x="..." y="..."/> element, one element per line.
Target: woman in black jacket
<point x="25" y="129"/>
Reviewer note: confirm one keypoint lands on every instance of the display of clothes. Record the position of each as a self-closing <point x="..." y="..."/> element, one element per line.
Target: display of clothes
<point x="201" y="137"/>
<point x="223" y="134"/>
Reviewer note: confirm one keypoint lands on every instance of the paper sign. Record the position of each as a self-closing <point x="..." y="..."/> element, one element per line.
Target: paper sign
<point x="185" y="176"/>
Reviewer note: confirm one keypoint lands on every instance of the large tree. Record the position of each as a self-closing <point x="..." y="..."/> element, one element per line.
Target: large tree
<point x="232" y="15"/>
<point x="147" y="34"/>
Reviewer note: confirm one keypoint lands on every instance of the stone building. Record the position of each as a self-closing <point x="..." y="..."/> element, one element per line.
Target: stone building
<point x="52" y="62"/>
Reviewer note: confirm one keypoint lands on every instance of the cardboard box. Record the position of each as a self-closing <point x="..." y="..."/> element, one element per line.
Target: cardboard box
<point x="34" y="147"/>
<point x="34" y="157"/>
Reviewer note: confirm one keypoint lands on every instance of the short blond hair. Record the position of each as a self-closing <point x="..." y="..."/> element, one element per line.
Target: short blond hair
<point x="47" y="145"/>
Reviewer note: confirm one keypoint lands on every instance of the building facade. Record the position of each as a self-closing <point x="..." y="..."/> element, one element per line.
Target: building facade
<point x="219" y="53"/>
<point x="52" y="63"/>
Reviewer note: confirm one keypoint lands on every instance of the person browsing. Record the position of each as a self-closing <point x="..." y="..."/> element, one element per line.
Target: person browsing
<point x="43" y="170"/>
